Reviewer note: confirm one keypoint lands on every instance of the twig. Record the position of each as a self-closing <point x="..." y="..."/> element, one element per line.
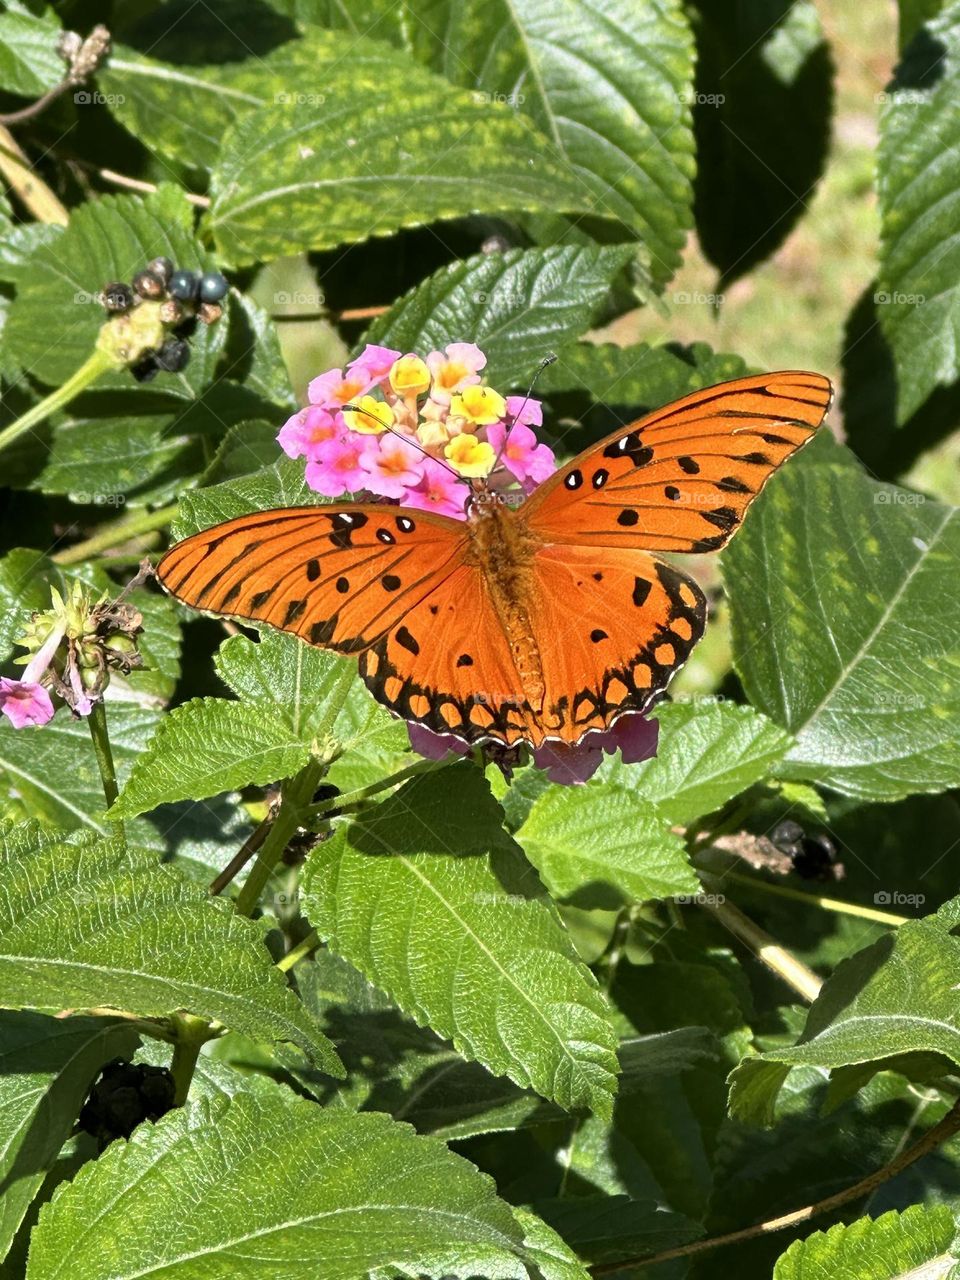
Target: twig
<point x="41" y="104"/>
<point x="243" y="855"/>
<point x="137" y="184"/>
<point x="836" y="905"/>
<point x="36" y="196"/>
<point x="115" y="534"/>
<point x="297" y="953"/>
<point x="933" y="1138"/>
<point x="793" y="971"/>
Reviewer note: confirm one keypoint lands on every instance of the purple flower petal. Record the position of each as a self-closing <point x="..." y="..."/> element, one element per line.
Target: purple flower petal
<point x="24" y="702"/>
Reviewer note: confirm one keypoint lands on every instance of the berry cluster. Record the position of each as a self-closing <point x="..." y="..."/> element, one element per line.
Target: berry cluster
<point x="125" y="1094"/>
<point x="184" y="297"/>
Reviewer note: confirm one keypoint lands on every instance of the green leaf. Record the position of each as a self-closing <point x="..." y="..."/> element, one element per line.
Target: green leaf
<point x="428" y="897"/>
<point x="107" y="239"/>
<point x="46" y="1067"/>
<point x="895" y="1246"/>
<point x="291" y="177"/>
<point x="606" y="1228"/>
<point x="517" y="306"/>
<point x="206" y="746"/>
<point x="83" y="924"/>
<point x="918" y="295"/>
<point x="289" y="692"/>
<point x="281" y="485"/>
<point x="51" y="773"/>
<point x="337" y="1195"/>
<point x="640" y="377"/>
<point x="843" y="632"/>
<point x="709" y="751"/>
<point x="602" y="846"/>
<point x="895" y="998"/>
<point x="29" y="62"/>
<point x="762" y="123"/>
<point x="609" y="87"/>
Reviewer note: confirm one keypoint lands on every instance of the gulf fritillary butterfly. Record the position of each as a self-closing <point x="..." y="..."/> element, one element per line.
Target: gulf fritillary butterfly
<point x="531" y="624"/>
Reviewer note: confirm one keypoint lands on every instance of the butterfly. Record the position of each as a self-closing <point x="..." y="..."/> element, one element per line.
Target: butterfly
<point x="536" y="623"/>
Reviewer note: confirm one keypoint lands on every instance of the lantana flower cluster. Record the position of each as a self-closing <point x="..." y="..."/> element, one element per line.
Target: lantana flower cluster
<point x="416" y="431"/>
<point x="71" y="649"/>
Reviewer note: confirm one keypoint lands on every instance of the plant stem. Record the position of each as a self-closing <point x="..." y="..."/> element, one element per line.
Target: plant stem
<point x="350" y="798"/>
<point x="97" y="720"/>
<point x="297" y="953"/>
<point x="836" y="905"/>
<point x="192" y="1033"/>
<point x="91" y="369"/>
<point x="295" y="796"/>
<point x="37" y="197"/>
<point x="243" y="855"/>
<point x="116" y="533"/>
<point x="933" y="1138"/>
<point x="793" y="971"/>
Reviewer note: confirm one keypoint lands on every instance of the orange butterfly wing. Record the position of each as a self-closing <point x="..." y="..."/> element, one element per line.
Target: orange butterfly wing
<point x="338" y="576"/>
<point x="682" y="478"/>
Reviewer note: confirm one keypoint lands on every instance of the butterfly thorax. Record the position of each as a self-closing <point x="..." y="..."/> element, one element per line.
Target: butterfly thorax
<point x="503" y="547"/>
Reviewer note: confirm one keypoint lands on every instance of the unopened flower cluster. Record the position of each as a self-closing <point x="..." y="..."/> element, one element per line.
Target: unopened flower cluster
<point x="416" y="430"/>
<point x="71" y="650"/>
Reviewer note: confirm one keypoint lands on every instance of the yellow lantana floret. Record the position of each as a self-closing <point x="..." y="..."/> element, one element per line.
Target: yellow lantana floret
<point x="409" y="376"/>
<point x="470" y="456"/>
<point x="480" y="406"/>
<point x="371" y="417"/>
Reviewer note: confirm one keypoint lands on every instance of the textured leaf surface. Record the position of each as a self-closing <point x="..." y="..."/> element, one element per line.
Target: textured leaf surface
<point x="917" y="1244"/>
<point x="844" y="631"/>
<point x="609" y="85"/>
<point x="46" y="1067"/>
<point x="277" y="1187"/>
<point x="517" y="306"/>
<point x="292" y="176"/>
<point x="287" y="691"/>
<point x="899" y="996"/>
<point x="603" y="846"/>
<point x="639" y="377"/>
<point x="708" y="753"/>
<point x="84" y="925"/>
<point x="29" y="62"/>
<point x="919" y="191"/>
<point x="434" y="904"/>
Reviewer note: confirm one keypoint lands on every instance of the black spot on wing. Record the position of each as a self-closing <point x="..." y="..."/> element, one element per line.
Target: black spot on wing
<point x="404" y="638"/>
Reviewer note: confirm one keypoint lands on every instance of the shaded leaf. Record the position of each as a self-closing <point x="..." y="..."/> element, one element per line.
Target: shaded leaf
<point x="83" y="924"/>
<point x="431" y="901"/>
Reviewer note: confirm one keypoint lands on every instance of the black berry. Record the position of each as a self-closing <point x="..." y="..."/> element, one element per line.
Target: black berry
<point x="148" y="285"/>
<point x="163" y="268"/>
<point x="117" y="296"/>
<point x="814" y="857"/>
<point x="184" y="285"/>
<point x="213" y="286"/>
<point x="173" y="356"/>
<point x="126" y="1094"/>
<point x="145" y="370"/>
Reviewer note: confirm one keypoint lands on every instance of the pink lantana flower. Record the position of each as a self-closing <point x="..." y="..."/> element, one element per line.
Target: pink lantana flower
<point x="24" y="702"/>
<point x="523" y="455"/>
<point x="525" y="411"/>
<point x="456" y="367"/>
<point x="335" y="469"/>
<point x="439" y="491"/>
<point x="634" y="735"/>
<point x="305" y="430"/>
<point x="373" y="363"/>
<point x="391" y="466"/>
<point x="334" y="389"/>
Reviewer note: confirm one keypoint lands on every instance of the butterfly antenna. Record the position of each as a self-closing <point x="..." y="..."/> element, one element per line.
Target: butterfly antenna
<point x="548" y="359"/>
<point x="356" y="408"/>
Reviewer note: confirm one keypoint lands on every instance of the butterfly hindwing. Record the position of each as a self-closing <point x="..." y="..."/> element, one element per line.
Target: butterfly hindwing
<point x="681" y="479"/>
<point x="338" y="576"/>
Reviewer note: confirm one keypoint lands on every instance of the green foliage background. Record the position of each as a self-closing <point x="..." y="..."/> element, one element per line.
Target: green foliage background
<point x="542" y="1032"/>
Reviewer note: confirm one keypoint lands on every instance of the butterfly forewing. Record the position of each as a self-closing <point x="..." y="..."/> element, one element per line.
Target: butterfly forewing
<point x="339" y="576"/>
<point x="682" y="478"/>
